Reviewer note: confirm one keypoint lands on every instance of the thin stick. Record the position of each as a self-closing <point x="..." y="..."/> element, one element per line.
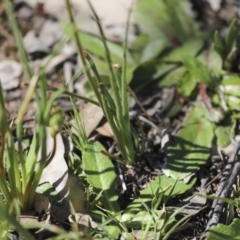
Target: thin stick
<point x="229" y="176"/>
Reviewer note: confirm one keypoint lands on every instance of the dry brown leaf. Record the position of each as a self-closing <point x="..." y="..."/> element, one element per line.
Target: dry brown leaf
<point x="105" y="130"/>
<point x="56" y="172"/>
<point x="91" y="115"/>
<point x="84" y="220"/>
<point x="28" y="217"/>
<point x="139" y="233"/>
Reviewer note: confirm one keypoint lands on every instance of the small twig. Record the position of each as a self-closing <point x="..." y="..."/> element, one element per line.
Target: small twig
<point x="229" y="176"/>
<point x="214" y="179"/>
<point x="140" y="105"/>
<point x="7" y="35"/>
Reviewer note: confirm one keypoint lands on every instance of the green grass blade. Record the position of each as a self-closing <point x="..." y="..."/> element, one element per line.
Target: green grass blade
<point x="13" y="169"/>
<point x="82" y="138"/>
<point x="74" y="95"/>
<point x="13" y="223"/>
<point x="115" y="90"/>
<point x="80" y="49"/>
<point x="124" y="64"/>
<point x="18" y="38"/>
<point x="4" y="189"/>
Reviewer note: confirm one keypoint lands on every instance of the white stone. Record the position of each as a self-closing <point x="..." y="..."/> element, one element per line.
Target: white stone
<point x="10" y="71"/>
<point x="33" y="44"/>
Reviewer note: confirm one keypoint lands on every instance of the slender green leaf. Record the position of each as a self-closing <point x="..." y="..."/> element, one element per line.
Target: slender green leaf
<point x="219" y="45"/>
<point x="166" y="20"/>
<point x="5" y="191"/>
<point x="233" y="31"/>
<point x="18" y="37"/>
<point x="13" y="223"/>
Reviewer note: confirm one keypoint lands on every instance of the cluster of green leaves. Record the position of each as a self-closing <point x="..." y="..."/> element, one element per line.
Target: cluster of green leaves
<point x="22" y="164"/>
<point x="168" y="53"/>
<point x="214" y="119"/>
<point x="21" y="168"/>
<point x="99" y="169"/>
<point x="171" y="56"/>
<point x="143" y="213"/>
<point x="193" y="68"/>
<point x="115" y="103"/>
<point x="228" y="48"/>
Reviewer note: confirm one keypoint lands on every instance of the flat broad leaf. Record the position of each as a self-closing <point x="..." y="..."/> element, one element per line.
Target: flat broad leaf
<point x="153" y="49"/>
<point x="231" y="80"/>
<point x="187" y="84"/>
<point x="191" y="148"/>
<point x="159" y="187"/>
<point x="166" y="20"/>
<point x="233" y="102"/>
<point x="224" y="132"/>
<point x="189" y="49"/>
<point x="46" y="189"/>
<point x="100" y="174"/>
<point x="211" y="57"/>
<point x="223" y="232"/>
<point x="113" y="232"/>
<point x="199" y="71"/>
<point x="231" y="86"/>
<point x="172" y="77"/>
<point x="94" y="45"/>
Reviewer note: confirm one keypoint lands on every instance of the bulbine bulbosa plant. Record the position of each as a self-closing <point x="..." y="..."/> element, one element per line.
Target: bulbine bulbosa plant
<point x="114" y="102"/>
